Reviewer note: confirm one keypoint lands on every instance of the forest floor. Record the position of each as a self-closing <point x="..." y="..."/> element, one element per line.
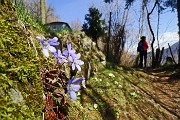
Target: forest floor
<point x="124" y="93"/>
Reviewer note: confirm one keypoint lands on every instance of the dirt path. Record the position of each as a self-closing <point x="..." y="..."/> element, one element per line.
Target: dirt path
<point x="167" y="91"/>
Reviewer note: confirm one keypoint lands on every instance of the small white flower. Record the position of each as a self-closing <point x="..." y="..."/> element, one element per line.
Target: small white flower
<point x="111" y="75"/>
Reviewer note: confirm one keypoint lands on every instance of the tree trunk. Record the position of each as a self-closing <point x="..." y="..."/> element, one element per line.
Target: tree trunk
<point x="160" y="57"/>
<point x="157" y="57"/>
<point x="43" y="11"/>
<point x="149" y="24"/>
<point x="108" y="39"/>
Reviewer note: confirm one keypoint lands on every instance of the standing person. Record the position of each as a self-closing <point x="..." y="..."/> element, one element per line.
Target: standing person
<point x="142" y="49"/>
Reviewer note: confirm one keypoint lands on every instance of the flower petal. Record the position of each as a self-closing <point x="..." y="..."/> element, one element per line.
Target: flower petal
<point x="78" y="56"/>
<point x="65" y="52"/>
<point x="45" y="52"/>
<point x="72" y="52"/>
<point x="68" y="87"/>
<point x="51" y="48"/>
<point x="71" y="58"/>
<point x="79" y="62"/>
<point x="59" y="53"/>
<point x="60" y="60"/>
<point x="39" y="38"/>
<point x="42" y="40"/>
<point x="64" y="60"/>
<point x="77" y="80"/>
<point x="62" y="57"/>
<point x="78" y="67"/>
<point x="55" y="54"/>
<point x="69" y="47"/>
<point x="75" y="87"/>
<point x="73" y="95"/>
<point x="53" y="41"/>
<point x="73" y="66"/>
<point x="84" y="86"/>
<point x="70" y="81"/>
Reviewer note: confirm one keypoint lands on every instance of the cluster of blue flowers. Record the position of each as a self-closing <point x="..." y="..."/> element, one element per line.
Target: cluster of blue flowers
<point x="68" y="55"/>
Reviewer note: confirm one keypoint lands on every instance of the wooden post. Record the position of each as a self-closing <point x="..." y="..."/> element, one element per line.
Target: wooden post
<point x="172" y="54"/>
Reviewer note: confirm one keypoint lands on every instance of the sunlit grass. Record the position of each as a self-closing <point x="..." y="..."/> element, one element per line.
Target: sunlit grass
<point x="119" y="93"/>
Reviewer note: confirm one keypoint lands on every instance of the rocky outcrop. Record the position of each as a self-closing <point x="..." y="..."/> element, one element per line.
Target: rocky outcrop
<point x="93" y="58"/>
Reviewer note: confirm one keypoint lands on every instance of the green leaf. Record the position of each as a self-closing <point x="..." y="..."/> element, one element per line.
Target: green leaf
<point x="9" y="109"/>
<point x="91" y="108"/>
<point x="10" y="82"/>
<point x="134" y="94"/>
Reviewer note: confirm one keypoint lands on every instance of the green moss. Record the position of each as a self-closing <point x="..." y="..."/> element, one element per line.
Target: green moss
<point x="19" y="70"/>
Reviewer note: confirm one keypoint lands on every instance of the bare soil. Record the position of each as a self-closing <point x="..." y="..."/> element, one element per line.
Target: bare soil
<point x="167" y="90"/>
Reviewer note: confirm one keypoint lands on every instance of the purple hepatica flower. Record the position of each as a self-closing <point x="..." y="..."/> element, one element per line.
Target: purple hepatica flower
<point x="69" y="52"/>
<point x="61" y="58"/>
<point x="73" y="86"/>
<point x="75" y="62"/>
<point x="48" y="45"/>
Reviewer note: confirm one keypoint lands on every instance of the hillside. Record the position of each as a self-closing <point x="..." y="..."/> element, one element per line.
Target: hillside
<point x="130" y="94"/>
<point x="167" y="53"/>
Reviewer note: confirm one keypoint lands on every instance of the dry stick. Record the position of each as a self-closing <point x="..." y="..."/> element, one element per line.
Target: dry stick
<point x="172" y="54"/>
<point x="35" y="50"/>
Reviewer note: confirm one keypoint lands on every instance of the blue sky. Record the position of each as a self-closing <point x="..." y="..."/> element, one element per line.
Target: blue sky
<point x="73" y="10"/>
<point x="69" y="10"/>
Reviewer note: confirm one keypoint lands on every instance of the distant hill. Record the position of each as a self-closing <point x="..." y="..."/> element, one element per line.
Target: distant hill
<point x="167" y="53"/>
<point x="174" y="48"/>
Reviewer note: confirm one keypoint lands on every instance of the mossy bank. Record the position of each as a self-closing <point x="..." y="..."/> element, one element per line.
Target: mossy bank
<point x="20" y="82"/>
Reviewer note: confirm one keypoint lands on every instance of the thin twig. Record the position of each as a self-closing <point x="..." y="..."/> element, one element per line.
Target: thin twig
<point x="172" y="54"/>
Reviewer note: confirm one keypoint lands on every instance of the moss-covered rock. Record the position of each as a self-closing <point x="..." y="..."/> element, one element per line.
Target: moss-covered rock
<point x="20" y="82"/>
<point x="93" y="58"/>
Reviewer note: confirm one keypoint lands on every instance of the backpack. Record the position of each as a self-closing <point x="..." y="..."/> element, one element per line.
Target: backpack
<point x="140" y="47"/>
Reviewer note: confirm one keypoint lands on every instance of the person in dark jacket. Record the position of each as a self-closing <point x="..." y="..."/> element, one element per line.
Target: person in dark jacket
<point x="142" y="49"/>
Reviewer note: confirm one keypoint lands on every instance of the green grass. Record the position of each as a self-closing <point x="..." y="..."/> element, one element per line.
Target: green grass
<point x="27" y="19"/>
<point x="118" y="93"/>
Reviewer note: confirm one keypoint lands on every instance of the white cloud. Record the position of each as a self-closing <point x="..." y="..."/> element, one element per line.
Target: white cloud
<point x="168" y="37"/>
<point x="164" y="39"/>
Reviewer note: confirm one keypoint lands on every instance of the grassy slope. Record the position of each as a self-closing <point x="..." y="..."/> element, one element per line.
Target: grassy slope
<point x="126" y="95"/>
